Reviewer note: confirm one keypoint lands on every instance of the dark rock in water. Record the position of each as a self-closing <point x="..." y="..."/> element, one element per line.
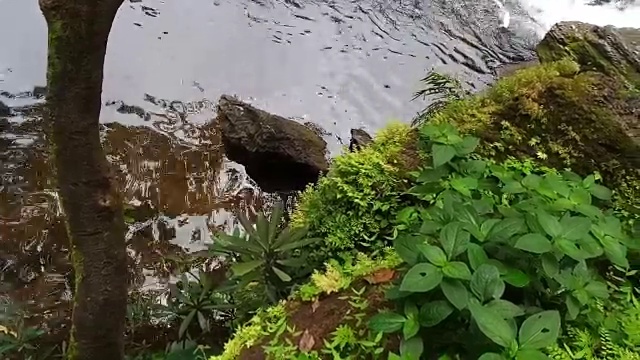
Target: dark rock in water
<point x="604" y="49"/>
<point x="359" y="139"/>
<point x="4" y="109"/>
<point x="279" y="154"/>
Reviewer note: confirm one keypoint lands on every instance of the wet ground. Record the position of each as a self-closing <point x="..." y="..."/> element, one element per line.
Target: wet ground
<point x="340" y="64"/>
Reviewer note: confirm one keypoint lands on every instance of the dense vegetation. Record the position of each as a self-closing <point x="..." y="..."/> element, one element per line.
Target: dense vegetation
<point x="462" y="237"/>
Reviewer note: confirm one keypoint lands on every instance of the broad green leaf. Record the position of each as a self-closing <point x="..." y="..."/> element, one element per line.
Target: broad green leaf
<point x="573" y="307"/>
<point x="476" y="256"/>
<point x="464" y="185"/>
<point x="410" y="309"/>
<point x="491" y="356"/>
<point x="411" y="349"/>
<point x="454" y="239"/>
<point x="590" y="246"/>
<point x="589" y="210"/>
<point x="410" y="327"/>
<point x="474" y="168"/>
<point x="532" y="181"/>
<point x="421" y="278"/>
<point x="456" y="292"/>
<point x="558" y="184"/>
<point x="513" y="187"/>
<point x="386" y="322"/>
<point x="575" y="227"/>
<point x="394" y="356"/>
<point x="467" y="146"/>
<point x="580" y="197"/>
<point x="457" y="270"/>
<point x="597" y="289"/>
<point x="483" y="205"/>
<point x="242" y="268"/>
<point x="549" y="223"/>
<point x="589" y="181"/>
<point x="539" y="330"/>
<point x="506" y="309"/>
<point x="570" y="249"/>
<point x="486" y="283"/>
<point x="407" y="247"/>
<point x="433" y="175"/>
<point x="442" y="154"/>
<point x="531" y="354"/>
<point x="433" y="313"/>
<point x="550" y="264"/>
<point x="492" y="324"/>
<point x="430" y="227"/>
<point x="507" y="228"/>
<point x="281" y="274"/>
<point x="516" y="277"/>
<point x="534" y="242"/>
<point x="434" y="254"/>
<point x="615" y="251"/>
<point x="487" y="226"/>
<point x="601" y="192"/>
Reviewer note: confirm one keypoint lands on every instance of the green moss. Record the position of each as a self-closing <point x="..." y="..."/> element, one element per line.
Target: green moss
<point x="583" y="47"/>
<point x="559" y="116"/>
<point x="354" y="201"/>
<point x="337" y="276"/>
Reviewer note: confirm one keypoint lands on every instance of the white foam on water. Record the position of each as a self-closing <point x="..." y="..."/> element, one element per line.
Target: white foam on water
<point x="549" y="12"/>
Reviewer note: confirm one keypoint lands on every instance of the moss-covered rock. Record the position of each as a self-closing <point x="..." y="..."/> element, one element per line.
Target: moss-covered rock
<point x="564" y="118"/>
<point x="334" y="304"/>
<point x="602" y="49"/>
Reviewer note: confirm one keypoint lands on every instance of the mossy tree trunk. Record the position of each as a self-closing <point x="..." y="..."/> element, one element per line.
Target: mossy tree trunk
<point x="78" y="33"/>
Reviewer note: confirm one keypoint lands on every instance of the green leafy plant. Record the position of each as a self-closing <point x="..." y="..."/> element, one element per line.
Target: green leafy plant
<point x="444" y="87"/>
<point x="350" y="207"/>
<point x="17" y="340"/>
<point x="488" y="244"/>
<point x="266" y="254"/>
<point x="200" y="302"/>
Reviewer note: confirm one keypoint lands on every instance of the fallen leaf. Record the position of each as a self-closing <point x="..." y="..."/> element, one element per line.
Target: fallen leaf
<point x="306" y="341"/>
<point x="315" y="305"/>
<point x="381" y="276"/>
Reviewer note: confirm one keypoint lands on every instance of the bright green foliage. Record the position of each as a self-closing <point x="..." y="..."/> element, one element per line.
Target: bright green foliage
<point x="560" y="117"/>
<point x="501" y="243"/>
<point x="340" y="273"/>
<point x="352" y="205"/>
<point x="266" y="254"/>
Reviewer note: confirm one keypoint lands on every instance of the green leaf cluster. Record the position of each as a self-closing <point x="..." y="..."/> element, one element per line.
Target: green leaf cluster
<point x="500" y="251"/>
<point x="266" y="254"/>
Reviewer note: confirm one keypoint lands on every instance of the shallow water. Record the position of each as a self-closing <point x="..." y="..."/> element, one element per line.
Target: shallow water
<point x="340" y="64"/>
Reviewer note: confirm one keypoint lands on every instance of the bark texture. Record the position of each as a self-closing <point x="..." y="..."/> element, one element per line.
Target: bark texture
<point x="78" y="33"/>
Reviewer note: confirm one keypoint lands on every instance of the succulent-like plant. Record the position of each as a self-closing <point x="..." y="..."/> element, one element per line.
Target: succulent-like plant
<point x="268" y="253"/>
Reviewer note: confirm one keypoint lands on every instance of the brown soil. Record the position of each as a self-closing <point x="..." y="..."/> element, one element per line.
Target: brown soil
<point x="321" y="319"/>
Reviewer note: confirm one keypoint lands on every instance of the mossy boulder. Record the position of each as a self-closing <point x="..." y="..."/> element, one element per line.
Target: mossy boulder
<point x="278" y="153"/>
<point x="578" y="109"/>
<point x="608" y="50"/>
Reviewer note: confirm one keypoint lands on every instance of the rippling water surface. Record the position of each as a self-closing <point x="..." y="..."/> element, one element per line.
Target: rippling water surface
<point x="339" y="63"/>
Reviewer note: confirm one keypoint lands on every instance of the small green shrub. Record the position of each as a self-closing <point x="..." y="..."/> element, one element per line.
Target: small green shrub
<point x="494" y="250"/>
<point x="351" y="206"/>
<point x="267" y="255"/>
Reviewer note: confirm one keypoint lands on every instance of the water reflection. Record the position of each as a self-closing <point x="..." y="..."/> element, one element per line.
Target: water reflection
<point x="178" y="191"/>
<point x="340" y="63"/>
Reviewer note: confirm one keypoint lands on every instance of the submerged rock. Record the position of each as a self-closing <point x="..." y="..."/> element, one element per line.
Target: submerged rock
<point x="279" y="154"/>
<point x="607" y="50"/>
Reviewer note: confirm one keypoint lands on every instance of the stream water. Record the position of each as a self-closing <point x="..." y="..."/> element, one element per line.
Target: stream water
<point x="340" y="64"/>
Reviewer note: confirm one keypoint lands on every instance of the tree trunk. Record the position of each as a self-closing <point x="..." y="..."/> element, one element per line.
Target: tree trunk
<point x="78" y="33"/>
